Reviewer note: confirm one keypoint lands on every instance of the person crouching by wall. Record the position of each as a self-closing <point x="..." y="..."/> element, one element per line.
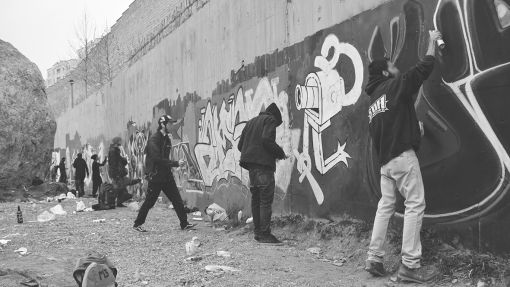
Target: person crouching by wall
<point x="96" y="174"/>
<point x="118" y="172"/>
<point x="81" y="168"/>
<point x="259" y="153"/>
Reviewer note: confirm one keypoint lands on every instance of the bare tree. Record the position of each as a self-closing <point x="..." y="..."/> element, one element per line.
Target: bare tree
<point x="85" y="35"/>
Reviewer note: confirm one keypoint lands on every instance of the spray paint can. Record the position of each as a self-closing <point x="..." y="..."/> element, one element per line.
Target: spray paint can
<point x="19" y="215"/>
<point x="441" y="44"/>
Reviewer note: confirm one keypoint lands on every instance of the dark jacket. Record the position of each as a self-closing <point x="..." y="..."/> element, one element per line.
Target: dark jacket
<point x="157" y="163"/>
<point x="96" y="173"/>
<point x="81" y="168"/>
<point x="257" y="144"/>
<point x="394" y="127"/>
<point x="116" y="163"/>
<point x="63" y="173"/>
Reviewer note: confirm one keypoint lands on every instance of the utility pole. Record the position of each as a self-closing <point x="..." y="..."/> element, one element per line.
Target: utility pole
<point x="72" y="96"/>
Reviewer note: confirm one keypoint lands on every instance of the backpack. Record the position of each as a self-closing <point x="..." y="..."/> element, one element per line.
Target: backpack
<point x="106" y="197"/>
<point x="95" y="270"/>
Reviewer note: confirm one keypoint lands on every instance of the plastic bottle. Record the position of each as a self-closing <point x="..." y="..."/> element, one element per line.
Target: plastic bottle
<point x="19" y="215"/>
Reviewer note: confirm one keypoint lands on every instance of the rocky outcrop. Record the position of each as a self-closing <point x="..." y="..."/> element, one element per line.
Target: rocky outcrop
<point x="27" y="126"/>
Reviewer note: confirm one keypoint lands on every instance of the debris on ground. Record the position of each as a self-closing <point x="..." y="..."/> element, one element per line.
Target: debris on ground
<point x="80" y="206"/>
<point x="197" y="213"/>
<point x="192" y="246"/>
<point x="220" y="268"/>
<point x="134" y="206"/>
<point x="45" y="216"/>
<point x="102" y="220"/>
<point x="58" y="210"/>
<point x="4" y="241"/>
<point x="21" y="251"/>
<point x="314" y="250"/>
<point x="216" y="213"/>
<point x="225" y="254"/>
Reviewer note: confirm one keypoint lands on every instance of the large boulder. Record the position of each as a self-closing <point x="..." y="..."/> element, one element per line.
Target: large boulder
<point x="27" y="125"/>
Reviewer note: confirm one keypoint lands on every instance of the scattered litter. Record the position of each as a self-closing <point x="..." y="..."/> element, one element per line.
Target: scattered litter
<point x="239" y="215"/>
<point x="88" y="209"/>
<point x="314" y="250"/>
<point x="49" y="199"/>
<point x="216" y="212"/>
<point x="4" y="241"/>
<point x="455" y="280"/>
<point x="171" y="206"/>
<point x="30" y="283"/>
<point x="45" y="216"/>
<point x="70" y="195"/>
<point x="160" y="199"/>
<point x="198" y="218"/>
<point x="225" y="254"/>
<point x="134" y="206"/>
<point x="249" y="220"/>
<point x="192" y="246"/>
<point x="197" y="213"/>
<point x="58" y="210"/>
<point x="145" y="282"/>
<point x="80" y="206"/>
<point x="220" y="268"/>
<point x="194" y="258"/>
<point x="481" y="284"/>
<point x="102" y="220"/>
<point x="22" y="251"/>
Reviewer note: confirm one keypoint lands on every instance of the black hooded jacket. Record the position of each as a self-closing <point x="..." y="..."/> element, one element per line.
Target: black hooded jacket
<point x="394" y="126"/>
<point x="81" y="168"/>
<point x="257" y="143"/>
<point x="158" y="165"/>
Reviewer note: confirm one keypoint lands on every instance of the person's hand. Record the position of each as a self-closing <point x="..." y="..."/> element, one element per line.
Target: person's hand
<point x="435" y="35"/>
<point x="181" y="162"/>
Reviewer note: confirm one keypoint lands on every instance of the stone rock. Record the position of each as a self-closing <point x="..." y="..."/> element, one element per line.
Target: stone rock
<point x="27" y="125"/>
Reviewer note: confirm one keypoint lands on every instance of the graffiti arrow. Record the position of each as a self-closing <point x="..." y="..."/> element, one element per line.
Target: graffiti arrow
<point x="304" y="169"/>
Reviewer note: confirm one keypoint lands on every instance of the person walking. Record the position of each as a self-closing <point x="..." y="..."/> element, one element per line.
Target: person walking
<point x="259" y="153"/>
<point x="118" y="172"/>
<point x="159" y="173"/>
<point x="396" y="135"/>
<point x="62" y="169"/>
<point x="81" y="169"/>
<point x="96" y="174"/>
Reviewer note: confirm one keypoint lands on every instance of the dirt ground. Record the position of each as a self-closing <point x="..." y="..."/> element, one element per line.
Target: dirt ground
<point x="158" y="258"/>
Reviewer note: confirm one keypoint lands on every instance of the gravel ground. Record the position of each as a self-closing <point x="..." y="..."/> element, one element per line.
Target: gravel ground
<point x="158" y="258"/>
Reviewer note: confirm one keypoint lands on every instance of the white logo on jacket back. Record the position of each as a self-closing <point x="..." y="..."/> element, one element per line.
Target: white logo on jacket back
<point x="379" y="106"/>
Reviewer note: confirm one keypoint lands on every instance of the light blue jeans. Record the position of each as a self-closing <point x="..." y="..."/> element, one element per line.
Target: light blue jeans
<point x="402" y="174"/>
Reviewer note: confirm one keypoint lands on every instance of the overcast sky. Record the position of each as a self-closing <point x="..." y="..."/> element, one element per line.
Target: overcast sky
<point x="45" y="30"/>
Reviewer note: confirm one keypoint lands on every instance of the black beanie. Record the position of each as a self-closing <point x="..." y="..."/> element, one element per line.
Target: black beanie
<point x="376" y="67"/>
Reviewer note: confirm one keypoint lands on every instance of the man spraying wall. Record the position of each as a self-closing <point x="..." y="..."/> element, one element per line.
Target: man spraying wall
<point x="396" y="135"/>
<point x="259" y="153"/>
<point x="159" y="172"/>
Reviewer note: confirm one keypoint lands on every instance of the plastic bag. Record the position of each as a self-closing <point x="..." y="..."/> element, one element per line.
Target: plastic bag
<point x="80" y="206"/>
<point x="58" y="210"/>
<point x="134" y="206"/>
<point x="192" y="246"/>
<point x="70" y="195"/>
<point x="216" y="212"/>
<point x="45" y="216"/>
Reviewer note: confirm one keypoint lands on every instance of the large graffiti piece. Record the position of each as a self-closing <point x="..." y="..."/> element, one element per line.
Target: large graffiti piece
<point x="137" y="141"/>
<point x="188" y="176"/>
<point x="323" y="96"/>
<point x="220" y="127"/>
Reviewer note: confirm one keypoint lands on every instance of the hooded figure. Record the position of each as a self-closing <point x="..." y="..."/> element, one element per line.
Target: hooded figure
<point x="81" y="169"/>
<point x="259" y="152"/>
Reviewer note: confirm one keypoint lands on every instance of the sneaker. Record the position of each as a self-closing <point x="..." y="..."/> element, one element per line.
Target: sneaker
<point x="375" y="268"/>
<point x="269" y="239"/>
<point x="420" y="275"/>
<point x="139" y="228"/>
<point x="189" y="226"/>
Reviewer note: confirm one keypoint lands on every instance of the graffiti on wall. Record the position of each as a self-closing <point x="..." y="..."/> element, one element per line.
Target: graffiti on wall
<point x="220" y="127"/>
<point x="323" y="96"/>
<point x="188" y="176"/>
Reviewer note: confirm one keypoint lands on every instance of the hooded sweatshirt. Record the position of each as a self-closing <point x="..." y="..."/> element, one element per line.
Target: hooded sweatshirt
<point x="257" y="143"/>
<point x="393" y="124"/>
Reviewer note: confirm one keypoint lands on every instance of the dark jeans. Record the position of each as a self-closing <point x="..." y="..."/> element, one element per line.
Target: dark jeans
<point x="171" y="191"/>
<point x="262" y="187"/>
<point x="80" y="186"/>
<point x="96" y="183"/>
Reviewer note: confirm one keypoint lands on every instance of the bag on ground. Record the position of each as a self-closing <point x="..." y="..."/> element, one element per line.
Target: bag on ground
<point x="95" y="270"/>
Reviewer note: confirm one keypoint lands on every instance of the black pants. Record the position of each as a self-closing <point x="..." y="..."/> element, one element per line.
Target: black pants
<point x="171" y="191"/>
<point x="80" y="187"/>
<point x="262" y="187"/>
<point x="96" y="183"/>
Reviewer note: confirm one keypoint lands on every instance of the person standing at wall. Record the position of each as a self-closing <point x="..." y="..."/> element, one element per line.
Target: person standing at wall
<point x="118" y="172"/>
<point x="259" y="153"/>
<point x="62" y="169"/>
<point x="396" y="135"/>
<point x="96" y="174"/>
<point x="159" y="173"/>
<point x="81" y="169"/>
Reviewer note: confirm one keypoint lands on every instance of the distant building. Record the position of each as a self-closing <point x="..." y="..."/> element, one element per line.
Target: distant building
<point x="59" y="70"/>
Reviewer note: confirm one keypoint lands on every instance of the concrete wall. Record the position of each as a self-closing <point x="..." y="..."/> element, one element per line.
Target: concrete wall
<point x="230" y="59"/>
